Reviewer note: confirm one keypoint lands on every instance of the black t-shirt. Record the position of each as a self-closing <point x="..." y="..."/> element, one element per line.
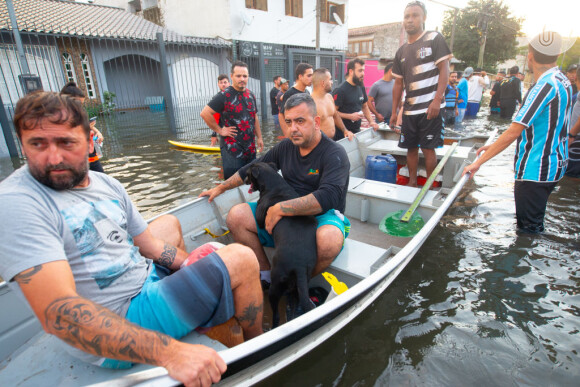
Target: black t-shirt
<point x="324" y="172"/>
<point x="349" y="99"/>
<point x="511" y="89"/>
<point x="279" y="98"/>
<point x="273" y="94"/>
<point x="237" y="109"/>
<point x="495" y="98"/>
<point x="291" y="91"/>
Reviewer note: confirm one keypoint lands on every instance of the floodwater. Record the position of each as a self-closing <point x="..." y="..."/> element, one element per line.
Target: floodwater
<point x="478" y="305"/>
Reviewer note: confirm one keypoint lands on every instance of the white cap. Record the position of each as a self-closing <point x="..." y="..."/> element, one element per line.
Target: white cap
<point x="551" y="43"/>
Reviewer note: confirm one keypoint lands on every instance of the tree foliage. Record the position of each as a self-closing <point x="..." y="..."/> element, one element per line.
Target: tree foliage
<point x="572" y="56"/>
<point x="502" y="31"/>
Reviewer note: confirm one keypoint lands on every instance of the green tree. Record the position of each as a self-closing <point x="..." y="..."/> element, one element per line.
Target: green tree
<point x="472" y="21"/>
<point x="571" y="56"/>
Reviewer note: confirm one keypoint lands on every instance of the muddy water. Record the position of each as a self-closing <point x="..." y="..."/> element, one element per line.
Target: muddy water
<point x="478" y="305"/>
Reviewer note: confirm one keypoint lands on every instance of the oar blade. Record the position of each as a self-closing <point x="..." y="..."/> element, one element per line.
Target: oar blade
<point x="392" y="225"/>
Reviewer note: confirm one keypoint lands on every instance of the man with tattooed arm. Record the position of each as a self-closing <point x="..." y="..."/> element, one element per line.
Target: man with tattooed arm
<point x="95" y="273"/>
<point x="317" y="168"/>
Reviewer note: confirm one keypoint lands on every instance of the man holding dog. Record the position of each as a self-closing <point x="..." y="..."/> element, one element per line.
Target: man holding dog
<point x="98" y="276"/>
<point x="317" y="168"/>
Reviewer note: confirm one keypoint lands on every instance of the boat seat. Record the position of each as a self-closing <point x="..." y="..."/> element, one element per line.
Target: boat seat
<point x="357" y="258"/>
<point x="393" y="192"/>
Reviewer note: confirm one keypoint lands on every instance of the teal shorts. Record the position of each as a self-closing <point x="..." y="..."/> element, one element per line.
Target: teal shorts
<point x="331" y="217"/>
<point x="198" y="295"/>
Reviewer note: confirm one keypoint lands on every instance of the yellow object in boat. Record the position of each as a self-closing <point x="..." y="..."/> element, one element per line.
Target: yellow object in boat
<point x="337" y="286"/>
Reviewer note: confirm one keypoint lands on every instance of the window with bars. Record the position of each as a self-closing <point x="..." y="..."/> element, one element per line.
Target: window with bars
<point x="261" y="5"/>
<point x="294" y="8"/>
<point x="87" y="74"/>
<point x="69" y="67"/>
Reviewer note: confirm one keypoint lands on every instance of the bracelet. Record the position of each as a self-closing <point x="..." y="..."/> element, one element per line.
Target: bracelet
<point x="572" y="135"/>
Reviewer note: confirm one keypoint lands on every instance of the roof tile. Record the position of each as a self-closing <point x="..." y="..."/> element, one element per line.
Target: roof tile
<point x="89" y="20"/>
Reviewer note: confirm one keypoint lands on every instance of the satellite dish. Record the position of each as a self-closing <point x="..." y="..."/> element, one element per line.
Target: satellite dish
<point x="337" y="19"/>
<point x="246" y="18"/>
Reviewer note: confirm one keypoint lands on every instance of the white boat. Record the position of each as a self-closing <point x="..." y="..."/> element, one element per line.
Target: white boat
<point x="368" y="264"/>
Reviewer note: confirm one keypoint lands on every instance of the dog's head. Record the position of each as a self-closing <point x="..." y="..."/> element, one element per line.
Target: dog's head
<point x="257" y="173"/>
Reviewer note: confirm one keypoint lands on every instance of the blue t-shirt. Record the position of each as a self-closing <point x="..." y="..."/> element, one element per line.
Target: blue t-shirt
<point x="462" y="88"/>
<point x="542" y="148"/>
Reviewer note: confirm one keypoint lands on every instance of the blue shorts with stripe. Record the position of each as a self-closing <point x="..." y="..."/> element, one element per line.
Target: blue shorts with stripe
<point x="198" y="295"/>
<point x="330" y="217"/>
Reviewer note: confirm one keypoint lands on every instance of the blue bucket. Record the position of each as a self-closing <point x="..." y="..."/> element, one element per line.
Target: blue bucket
<point x="381" y="168"/>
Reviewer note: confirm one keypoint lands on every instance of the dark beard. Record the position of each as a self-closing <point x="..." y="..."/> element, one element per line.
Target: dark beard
<point x="357" y="81"/>
<point x="78" y="175"/>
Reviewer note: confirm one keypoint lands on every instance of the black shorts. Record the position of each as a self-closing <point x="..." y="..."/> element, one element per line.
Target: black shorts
<point x="531" y="199"/>
<point x="418" y="131"/>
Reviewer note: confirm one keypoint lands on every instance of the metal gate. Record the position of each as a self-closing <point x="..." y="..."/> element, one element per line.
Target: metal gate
<point x="332" y="60"/>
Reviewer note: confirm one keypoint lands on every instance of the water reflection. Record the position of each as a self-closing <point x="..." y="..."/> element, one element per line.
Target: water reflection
<point x="480" y="304"/>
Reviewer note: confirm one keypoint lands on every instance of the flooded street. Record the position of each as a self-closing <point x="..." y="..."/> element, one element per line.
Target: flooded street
<point x="478" y="305"/>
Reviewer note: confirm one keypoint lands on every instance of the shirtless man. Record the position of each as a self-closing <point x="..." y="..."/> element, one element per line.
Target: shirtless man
<point x="329" y="118"/>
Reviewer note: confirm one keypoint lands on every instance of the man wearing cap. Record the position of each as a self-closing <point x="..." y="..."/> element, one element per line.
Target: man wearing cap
<point x="573" y="169"/>
<point x="422" y="66"/>
<point x="284" y="85"/>
<point x="510" y="93"/>
<point x="541" y="129"/>
<point x="478" y="81"/>
<point x="496" y="93"/>
<point x="273" y="104"/>
<point x="571" y="74"/>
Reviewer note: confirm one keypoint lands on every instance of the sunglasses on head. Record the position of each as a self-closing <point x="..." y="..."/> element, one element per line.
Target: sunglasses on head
<point x="418" y="4"/>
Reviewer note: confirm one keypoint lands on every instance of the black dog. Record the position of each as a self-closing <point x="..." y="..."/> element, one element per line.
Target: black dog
<point x="294" y="238"/>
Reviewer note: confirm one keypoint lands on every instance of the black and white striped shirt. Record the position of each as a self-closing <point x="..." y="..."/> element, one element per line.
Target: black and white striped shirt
<point x="417" y="63"/>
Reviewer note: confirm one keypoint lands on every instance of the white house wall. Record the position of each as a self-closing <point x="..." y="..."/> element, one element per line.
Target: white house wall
<point x="197" y="17"/>
<point x="223" y="18"/>
<point x="275" y="27"/>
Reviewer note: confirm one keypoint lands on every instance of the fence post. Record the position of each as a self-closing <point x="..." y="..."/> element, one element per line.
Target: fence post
<point x="7" y="131"/>
<point x="263" y="91"/>
<point x="166" y="82"/>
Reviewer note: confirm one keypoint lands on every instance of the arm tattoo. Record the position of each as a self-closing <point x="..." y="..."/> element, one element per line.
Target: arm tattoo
<point x="96" y="330"/>
<point x="250" y="313"/>
<point x="167" y="257"/>
<point x="24" y="277"/>
<point x="305" y="205"/>
<point x="232" y="182"/>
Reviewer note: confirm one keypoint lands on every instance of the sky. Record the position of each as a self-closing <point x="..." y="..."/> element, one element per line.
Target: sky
<point x="559" y="15"/>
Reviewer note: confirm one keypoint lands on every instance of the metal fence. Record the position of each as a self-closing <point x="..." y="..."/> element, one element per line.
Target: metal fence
<point x="141" y="87"/>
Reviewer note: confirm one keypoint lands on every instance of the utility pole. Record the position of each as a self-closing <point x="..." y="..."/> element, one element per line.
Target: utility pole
<point x="482" y="25"/>
<point x="317" y="24"/>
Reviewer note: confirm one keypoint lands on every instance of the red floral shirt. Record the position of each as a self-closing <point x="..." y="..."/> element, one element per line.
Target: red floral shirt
<point x="237" y="109"/>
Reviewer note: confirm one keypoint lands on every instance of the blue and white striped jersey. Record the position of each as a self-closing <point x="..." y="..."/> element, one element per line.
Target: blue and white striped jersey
<point x="542" y="148"/>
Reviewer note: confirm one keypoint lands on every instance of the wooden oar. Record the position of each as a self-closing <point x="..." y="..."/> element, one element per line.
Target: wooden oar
<point x="405" y="218"/>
